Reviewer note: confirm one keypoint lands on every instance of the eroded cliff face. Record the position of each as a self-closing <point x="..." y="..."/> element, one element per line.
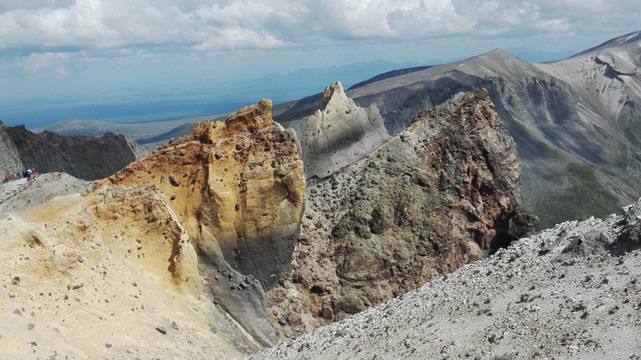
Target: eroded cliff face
<point x="221" y="228"/>
<point x="439" y="195"/>
<point x="237" y="187"/>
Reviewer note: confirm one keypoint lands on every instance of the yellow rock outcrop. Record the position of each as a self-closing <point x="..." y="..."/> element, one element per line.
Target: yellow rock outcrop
<point x="237" y="186"/>
<point x="111" y="274"/>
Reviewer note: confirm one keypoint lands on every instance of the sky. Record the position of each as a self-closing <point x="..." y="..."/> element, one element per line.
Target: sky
<point x="111" y="59"/>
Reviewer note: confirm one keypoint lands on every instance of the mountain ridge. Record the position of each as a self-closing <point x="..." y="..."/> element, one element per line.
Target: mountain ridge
<point x="558" y="112"/>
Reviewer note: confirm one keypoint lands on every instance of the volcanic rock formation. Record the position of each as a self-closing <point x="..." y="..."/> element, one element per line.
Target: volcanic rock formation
<point x="339" y="133"/>
<point x="199" y="239"/>
<point x="438" y="196"/>
<point x="84" y="157"/>
<point x="238" y="189"/>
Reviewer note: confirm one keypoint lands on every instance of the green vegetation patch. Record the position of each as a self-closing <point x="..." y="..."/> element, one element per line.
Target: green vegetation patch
<point x="585" y="197"/>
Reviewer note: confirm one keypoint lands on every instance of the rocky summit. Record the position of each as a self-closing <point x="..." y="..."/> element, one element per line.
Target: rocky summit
<point x="339" y="133"/>
<point x="215" y="245"/>
<point x="443" y="193"/>
<point x="169" y="257"/>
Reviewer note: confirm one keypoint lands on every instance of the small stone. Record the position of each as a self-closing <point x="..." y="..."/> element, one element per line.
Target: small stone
<point x="174" y="325"/>
<point x="218" y="155"/>
<point x="31" y="326"/>
<point x="108" y="345"/>
<point x="80" y="259"/>
<point x="17" y="312"/>
<point x="161" y="330"/>
<point x="77" y="286"/>
<point x="173" y="197"/>
<point x="584" y="315"/>
<point x="240" y="146"/>
<point x="238" y="206"/>
<point x="214" y="330"/>
<point x="173" y="181"/>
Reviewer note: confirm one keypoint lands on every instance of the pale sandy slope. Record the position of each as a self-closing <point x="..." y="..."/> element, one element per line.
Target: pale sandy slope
<point x="559" y="294"/>
<point x="108" y="275"/>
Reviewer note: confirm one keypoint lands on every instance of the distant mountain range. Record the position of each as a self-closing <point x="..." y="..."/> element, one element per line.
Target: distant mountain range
<point x="576" y="122"/>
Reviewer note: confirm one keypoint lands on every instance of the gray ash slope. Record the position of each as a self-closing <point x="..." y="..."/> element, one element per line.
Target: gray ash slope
<point x="570" y="292"/>
<point x="559" y="114"/>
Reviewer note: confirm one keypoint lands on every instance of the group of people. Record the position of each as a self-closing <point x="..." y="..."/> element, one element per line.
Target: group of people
<point x="28" y="174"/>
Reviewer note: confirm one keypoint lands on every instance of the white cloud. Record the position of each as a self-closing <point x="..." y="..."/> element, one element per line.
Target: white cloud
<point x="215" y="25"/>
<point x="238" y="38"/>
<point x="35" y="63"/>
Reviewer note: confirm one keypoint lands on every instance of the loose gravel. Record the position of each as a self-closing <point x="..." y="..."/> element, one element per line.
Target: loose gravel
<point x="565" y="293"/>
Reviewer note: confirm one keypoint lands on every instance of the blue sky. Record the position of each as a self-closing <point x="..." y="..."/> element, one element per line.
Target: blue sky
<point x="73" y="54"/>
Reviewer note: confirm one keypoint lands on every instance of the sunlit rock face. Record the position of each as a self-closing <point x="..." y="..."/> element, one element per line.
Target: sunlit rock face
<point x="237" y="187"/>
<point x="340" y="133"/>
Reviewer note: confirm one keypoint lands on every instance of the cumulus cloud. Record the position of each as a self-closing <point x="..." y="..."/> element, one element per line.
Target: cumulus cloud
<point x="210" y="26"/>
<point x="58" y="62"/>
<point x="242" y="23"/>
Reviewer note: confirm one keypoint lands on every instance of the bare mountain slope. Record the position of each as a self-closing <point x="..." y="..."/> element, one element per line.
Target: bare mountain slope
<point x="560" y="114"/>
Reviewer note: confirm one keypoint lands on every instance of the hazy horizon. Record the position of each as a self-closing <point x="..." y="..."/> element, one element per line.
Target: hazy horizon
<point x="120" y="60"/>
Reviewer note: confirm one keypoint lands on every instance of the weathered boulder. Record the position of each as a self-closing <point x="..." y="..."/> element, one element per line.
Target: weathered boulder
<point x="340" y="133"/>
<point x="238" y="188"/>
<point x="439" y="195"/>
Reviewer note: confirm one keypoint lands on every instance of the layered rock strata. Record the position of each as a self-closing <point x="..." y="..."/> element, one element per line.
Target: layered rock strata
<point x="439" y="195"/>
<point x="237" y="187"/>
